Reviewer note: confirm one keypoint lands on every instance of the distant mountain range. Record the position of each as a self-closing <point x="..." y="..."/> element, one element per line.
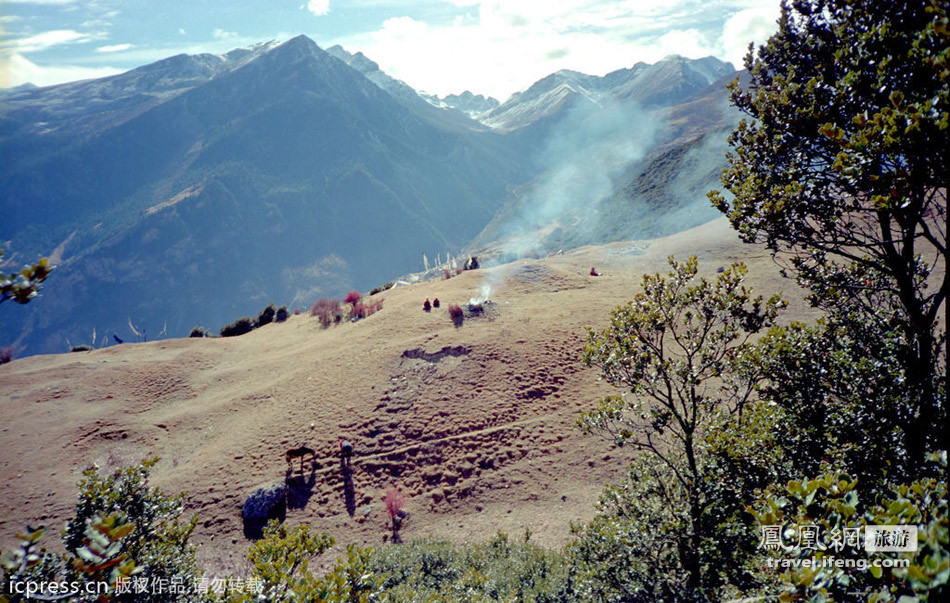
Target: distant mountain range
<point x="200" y="188"/>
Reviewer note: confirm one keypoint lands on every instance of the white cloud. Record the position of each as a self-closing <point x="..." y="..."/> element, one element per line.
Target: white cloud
<point x="9" y="18"/>
<point x="754" y="24"/>
<point x="686" y="42"/>
<point x="220" y="34"/>
<point x="505" y="45"/>
<point x="115" y="48"/>
<point x="401" y="28"/>
<point x="181" y="31"/>
<point x="47" y="39"/>
<point x="16" y="69"/>
<point x="318" y="7"/>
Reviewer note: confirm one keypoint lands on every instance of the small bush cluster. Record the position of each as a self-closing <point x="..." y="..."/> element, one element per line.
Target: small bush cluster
<point x="6" y="354"/>
<point x="199" y="332"/>
<point x="361" y="310"/>
<point x="496" y="570"/>
<point x="243" y="325"/>
<point x="381" y="288"/>
<point x="80" y="348"/>
<point x="327" y="310"/>
<point x="456" y="314"/>
<point x="266" y="316"/>
<point x="246" y="324"/>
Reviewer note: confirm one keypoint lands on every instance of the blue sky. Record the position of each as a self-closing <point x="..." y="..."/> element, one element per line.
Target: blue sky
<point x="494" y="47"/>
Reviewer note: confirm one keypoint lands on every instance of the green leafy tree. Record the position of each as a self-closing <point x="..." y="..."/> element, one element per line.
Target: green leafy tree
<point x="844" y="167"/>
<point x="832" y="503"/>
<point x="678" y="348"/>
<point x="281" y="562"/>
<point x="23" y="286"/>
<point x="122" y="529"/>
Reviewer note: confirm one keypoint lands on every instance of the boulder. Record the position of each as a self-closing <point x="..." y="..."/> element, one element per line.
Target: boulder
<point x="263" y="504"/>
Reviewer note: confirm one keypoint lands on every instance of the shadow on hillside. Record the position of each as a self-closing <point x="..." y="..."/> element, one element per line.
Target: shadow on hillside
<point x="349" y="491"/>
<point x="300" y="488"/>
<point x="254" y="528"/>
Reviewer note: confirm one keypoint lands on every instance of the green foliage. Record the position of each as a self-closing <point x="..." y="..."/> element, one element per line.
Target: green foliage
<point x="23" y="286"/>
<point x="845" y="160"/>
<point x="281" y="562"/>
<point x="159" y="543"/>
<point x="497" y="570"/>
<point x="631" y="551"/>
<point x="833" y="503"/>
<point x="121" y="529"/>
<point x="679" y="348"/>
<point x="199" y="331"/>
<point x="351" y="579"/>
<point x="842" y="390"/>
<point x="238" y="327"/>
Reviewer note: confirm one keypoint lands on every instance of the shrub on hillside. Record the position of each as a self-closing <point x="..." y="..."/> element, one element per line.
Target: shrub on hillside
<point x="266" y="316"/>
<point x="199" y="332"/>
<point x="6" y="354"/>
<point x="370" y="307"/>
<point x="352" y="298"/>
<point x="239" y="327"/>
<point x="81" y="348"/>
<point x="327" y="310"/>
<point x="381" y="288"/>
<point x="281" y="314"/>
<point x="121" y="528"/>
<point x="500" y="569"/>
<point x="281" y="561"/>
<point x="457" y="315"/>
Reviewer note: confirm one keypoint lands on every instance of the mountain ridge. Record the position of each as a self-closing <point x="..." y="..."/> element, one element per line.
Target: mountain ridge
<point x="279" y="172"/>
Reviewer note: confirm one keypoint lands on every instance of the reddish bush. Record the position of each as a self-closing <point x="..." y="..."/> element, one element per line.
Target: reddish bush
<point x="395" y="501"/>
<point x="436" y="303"/>
<point x="327" y="310"/>
<point x="374" y="306"/>
<point x="353" y="297"/>
<point x="296" y="311"/>
<point x="446" y="273"/>
<point x="6" y="354"/>
<point x="368" y="309"/>
<point x="426" y="305"/>
<point x="457" y="315"/>
<point x="358" y="311"/>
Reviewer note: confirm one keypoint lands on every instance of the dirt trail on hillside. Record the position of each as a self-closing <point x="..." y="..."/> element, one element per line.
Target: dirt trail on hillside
<point x="474" y="424"/>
